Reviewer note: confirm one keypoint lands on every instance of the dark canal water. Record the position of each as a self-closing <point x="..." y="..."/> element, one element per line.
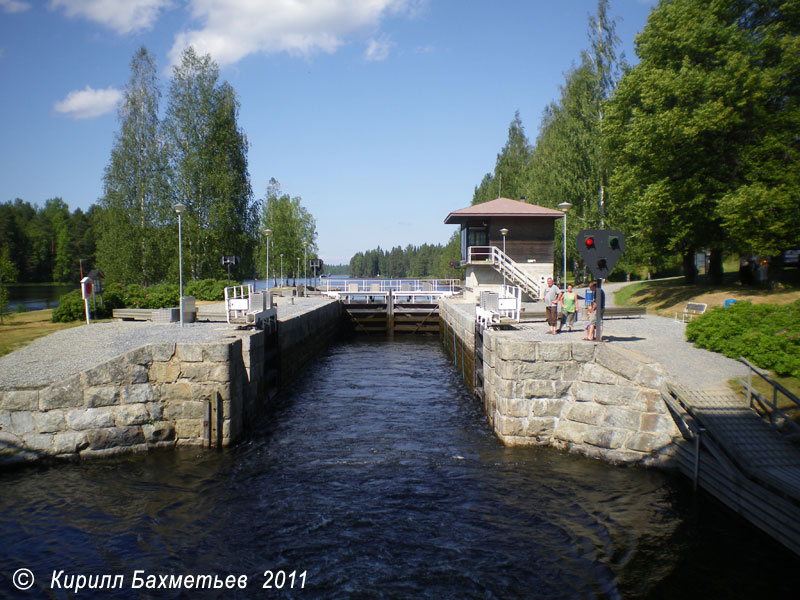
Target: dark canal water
<point x="378" y="477"/>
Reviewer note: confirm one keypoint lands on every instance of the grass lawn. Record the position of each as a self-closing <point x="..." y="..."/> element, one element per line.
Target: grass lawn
<point x="666" y="297"/>
<point x="792" y="385"/>
<point x="22" y="328"/>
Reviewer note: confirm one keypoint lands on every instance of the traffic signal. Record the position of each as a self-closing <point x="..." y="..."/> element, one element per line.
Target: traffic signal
<point x="600" y="249"/>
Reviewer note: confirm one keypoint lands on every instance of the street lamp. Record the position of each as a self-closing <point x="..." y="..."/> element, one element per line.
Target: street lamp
<point x="179" y="208"/>
<point x="267" y="232"/>
<point x="565" y="206"/>
<point x="504" y="233"/>
<point x="305" y="264"/>
<point x="281" y="270"/>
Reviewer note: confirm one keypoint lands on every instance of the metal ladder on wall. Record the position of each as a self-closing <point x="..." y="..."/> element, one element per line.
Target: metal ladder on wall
<point x="506" y="267"/>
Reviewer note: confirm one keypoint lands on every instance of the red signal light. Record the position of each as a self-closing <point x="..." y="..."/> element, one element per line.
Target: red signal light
<point x="590" y="243"/>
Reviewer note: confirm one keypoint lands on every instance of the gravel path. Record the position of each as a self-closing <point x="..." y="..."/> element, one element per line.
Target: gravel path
<point x="663" y="340"/>
<point x="71" y="351"/>
<point x="74" y="350"/>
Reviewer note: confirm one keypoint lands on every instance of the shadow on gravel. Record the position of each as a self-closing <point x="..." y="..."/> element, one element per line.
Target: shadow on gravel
<point x="619" y="338"/>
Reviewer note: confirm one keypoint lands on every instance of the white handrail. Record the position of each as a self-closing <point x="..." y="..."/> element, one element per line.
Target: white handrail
<point x="396" y="285"/>
<point x="504" y="265"/>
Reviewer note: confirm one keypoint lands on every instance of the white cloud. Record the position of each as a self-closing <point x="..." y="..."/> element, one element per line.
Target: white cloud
<point x="14" y="6"/>
<point x="88" y="103"/>
<point x="378" y="49"/>
<point x="123" y="16"/>
<point x="234" y="29"/>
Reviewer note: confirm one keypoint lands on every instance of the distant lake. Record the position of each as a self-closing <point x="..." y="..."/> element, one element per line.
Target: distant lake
<point x="37" y="296"/>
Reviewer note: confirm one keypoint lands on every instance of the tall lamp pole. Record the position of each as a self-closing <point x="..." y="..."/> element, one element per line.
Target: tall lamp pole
<point x="305" y="264"/>
<point x="281" y="269"/>
<point x="504" y="233"/>
<point x="267" y="232"/>
<point x="565" y="206"/>
<point x="179" y="208"/>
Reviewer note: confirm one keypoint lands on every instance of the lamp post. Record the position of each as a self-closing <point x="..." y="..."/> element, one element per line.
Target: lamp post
<point x="267" y="232"/>
<point x="281" y="270"/>
<point x="504" y="233"/>
<point x="179" y="208"/>
<point x="305" y="264"/>
<point x="565" y="206"/>
<point x="297" y="273"/>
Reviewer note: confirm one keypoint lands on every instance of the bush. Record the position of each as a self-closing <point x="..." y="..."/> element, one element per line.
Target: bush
<point x="765" y="334"/>
<point x="116" y="295"/>
<point x="206" y="289"/>
<point x="70" y="308"/>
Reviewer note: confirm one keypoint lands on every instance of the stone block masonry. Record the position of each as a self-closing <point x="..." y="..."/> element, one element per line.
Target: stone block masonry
<point x="590" y="398"/>
<point x="161" y="394"/>
<point x="153" y="396"/>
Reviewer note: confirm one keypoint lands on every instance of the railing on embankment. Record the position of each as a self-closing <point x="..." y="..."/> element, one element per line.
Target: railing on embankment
<point x="736" y="456"/>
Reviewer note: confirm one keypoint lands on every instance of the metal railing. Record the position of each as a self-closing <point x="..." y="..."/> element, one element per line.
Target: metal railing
<point x="505" y="266"/>
<point x="381" y="286"/>
<point x="768" y="407"/>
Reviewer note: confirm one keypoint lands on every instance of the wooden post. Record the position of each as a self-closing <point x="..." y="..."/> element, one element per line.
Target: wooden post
<point x="389" y="311"/>
<point x="207" y="425"/>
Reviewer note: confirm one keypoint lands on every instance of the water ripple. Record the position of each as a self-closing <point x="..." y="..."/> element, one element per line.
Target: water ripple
<point x="379" y="476"/>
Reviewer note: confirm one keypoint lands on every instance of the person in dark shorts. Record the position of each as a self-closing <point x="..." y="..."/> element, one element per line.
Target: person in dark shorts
<point x="552" y="295"/>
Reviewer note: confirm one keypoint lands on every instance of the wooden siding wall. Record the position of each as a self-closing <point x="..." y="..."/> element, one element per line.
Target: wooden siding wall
<point x="527" y="238"/>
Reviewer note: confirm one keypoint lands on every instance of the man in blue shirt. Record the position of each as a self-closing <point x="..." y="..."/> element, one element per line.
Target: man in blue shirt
<point x="596" y="316"/>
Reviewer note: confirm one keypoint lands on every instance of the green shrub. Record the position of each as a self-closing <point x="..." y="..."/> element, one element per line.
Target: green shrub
<point x="765" y="334"/>
<point x="70" y="308"/>
<point x="206" y="289"/>
<point x="133" y="295"/>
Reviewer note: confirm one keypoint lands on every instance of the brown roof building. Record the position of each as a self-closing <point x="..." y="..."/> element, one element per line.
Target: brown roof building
<point x="524" y="255"/>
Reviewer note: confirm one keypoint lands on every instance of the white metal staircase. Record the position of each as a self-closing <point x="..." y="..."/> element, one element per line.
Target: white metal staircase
<point x="505" y="266"/>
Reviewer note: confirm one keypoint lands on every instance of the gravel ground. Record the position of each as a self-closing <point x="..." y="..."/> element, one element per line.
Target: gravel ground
<point x="661" y="339"/>
<point x="71" y="351"/>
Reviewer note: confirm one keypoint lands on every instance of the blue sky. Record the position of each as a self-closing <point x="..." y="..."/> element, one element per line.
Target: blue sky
<point x="383" y="115"/>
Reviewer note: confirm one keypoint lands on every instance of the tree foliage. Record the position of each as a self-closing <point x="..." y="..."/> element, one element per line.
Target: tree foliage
<point x="136" y="201"/>
<point x="702" y="130"/>
<point x="207" y="154"/>
<point x="47" y="243"/>
<point x="509" y="178"/>
<point x="427" y="260"/>
<point x="291" y="225"/>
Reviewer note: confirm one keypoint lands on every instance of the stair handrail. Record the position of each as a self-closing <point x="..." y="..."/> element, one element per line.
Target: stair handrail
<point x="505" y="266"/>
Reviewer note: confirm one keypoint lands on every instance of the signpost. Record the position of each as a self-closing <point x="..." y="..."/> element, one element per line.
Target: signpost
<point x="230" y="260"/>
<point x="600" y="250"/>
<point x="86" y="293"/>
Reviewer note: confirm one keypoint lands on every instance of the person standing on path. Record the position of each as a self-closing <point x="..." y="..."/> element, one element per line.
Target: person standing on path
<point x="551" y="297"/>
<point x="596" y="317"/>
<point x="569" y="306"/>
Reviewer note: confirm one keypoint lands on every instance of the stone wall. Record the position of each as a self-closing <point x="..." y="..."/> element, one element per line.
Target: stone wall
<point x="303" y="336"/>
<point x="162" y="394"/>
<point x="595" y="399"/>
<point x="153" y="396"/>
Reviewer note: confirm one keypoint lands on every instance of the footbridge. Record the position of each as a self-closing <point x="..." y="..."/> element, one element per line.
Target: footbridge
<point x="391" y="305"/>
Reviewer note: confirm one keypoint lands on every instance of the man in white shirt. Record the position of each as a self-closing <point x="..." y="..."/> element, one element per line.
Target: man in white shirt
<point x="552" y="295"/>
